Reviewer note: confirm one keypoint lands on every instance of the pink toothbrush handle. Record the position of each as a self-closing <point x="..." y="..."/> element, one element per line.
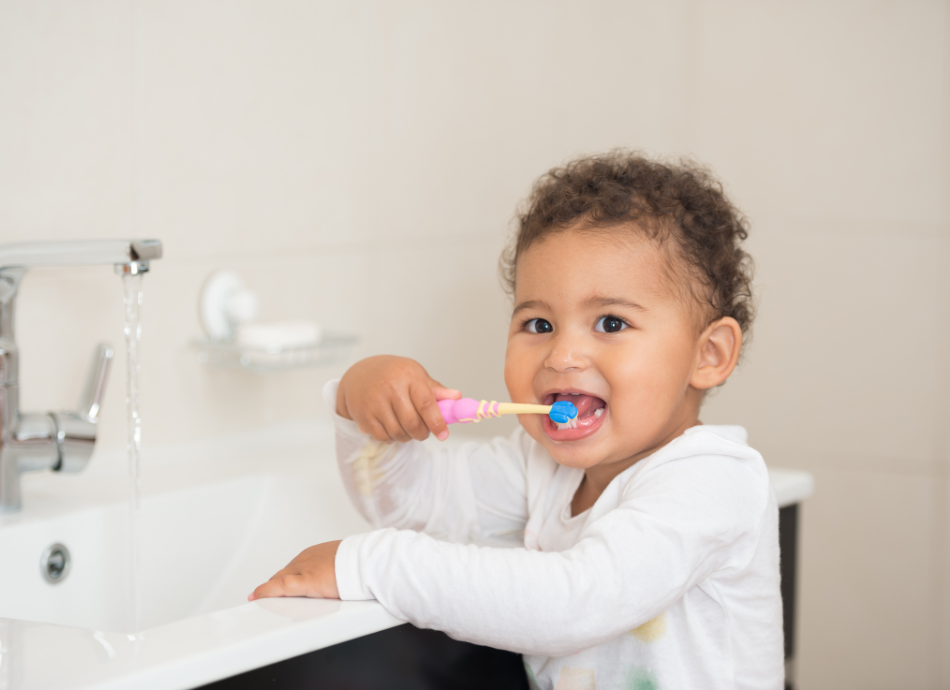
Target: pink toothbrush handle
<point x="466" y="410"/>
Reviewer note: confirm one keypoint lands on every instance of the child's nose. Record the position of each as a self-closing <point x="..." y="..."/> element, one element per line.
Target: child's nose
<point x="567" y="353"/>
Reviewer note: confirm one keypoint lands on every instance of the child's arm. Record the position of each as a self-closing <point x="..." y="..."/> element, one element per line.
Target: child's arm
<point x="467" y="492"/>
<point x="474" y="492"/>
<point x="683" y="522"/>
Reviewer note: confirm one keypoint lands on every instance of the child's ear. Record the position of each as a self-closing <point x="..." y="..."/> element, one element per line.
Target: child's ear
<point x="718" y="354"/>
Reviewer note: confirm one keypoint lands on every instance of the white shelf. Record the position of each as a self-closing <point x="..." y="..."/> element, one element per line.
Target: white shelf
<point x="331" y="349"/>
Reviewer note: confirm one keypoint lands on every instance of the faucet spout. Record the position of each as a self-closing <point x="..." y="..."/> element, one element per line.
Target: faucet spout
<point x="88" y="253"/>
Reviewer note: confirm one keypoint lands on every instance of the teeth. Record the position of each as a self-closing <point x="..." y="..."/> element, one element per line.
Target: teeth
<point x="572" y="424"/>
<point x="599" y="411"/>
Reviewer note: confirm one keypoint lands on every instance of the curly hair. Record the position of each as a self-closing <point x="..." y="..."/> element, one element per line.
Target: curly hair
<point x="681" y="202"/>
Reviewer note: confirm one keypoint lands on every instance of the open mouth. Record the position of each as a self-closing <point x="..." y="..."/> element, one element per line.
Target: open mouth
<point x="591" y="412"/>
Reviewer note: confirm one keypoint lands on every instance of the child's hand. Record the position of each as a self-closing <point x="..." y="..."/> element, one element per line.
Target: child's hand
<point x="311" y="574"/>
<point x="393" y="399"/>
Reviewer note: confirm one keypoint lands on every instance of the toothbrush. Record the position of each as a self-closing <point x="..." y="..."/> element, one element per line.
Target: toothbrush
<point x="467" y="410"/>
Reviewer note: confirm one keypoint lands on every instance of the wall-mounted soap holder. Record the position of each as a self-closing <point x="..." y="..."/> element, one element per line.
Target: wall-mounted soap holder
<point x="234" y="340"/>
<point x="331" y="349"/>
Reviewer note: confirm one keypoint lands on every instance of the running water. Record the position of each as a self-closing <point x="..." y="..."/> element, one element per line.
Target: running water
<point x="132" y="287"/>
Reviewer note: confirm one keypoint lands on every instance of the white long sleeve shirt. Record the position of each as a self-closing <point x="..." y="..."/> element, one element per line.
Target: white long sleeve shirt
<point x="671" y="579"/>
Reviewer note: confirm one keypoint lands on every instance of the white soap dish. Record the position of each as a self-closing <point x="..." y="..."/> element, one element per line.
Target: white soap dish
<point x="331" y="349"/>
<point x="278" y="335"/>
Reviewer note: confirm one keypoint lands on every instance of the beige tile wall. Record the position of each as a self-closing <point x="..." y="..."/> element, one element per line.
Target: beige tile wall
<point x="360" y="162"/>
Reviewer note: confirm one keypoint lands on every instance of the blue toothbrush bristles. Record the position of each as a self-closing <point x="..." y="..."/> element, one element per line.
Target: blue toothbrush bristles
<point x="562" y="412"/>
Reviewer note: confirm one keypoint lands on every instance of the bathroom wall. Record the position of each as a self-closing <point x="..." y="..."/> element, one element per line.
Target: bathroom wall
<point x="360" y="162"/>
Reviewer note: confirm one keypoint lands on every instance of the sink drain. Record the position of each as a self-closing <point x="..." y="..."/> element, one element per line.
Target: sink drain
<point x="55" y="563"/>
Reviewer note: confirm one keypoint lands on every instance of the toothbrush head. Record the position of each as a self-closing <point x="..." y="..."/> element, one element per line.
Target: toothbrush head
<point x="562" y="412"/>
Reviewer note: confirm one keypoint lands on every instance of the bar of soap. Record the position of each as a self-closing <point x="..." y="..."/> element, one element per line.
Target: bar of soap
<point x="278" y="335"/>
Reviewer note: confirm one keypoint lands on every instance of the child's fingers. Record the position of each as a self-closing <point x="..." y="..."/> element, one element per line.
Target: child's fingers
<point x="281" y="585"/>
<point x="443" y="393"/>
<point x="425" y="402"/>
<point x="311" y="574"/>
<point x="409" y="418"/>
<point x="436" y="422"/>
<point x="374" y="428"/>
<point x="390" y="422"/>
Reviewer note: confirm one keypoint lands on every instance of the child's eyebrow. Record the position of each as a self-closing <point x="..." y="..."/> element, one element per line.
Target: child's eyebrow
<point x="530" y="304"/>
<point x="612" y="302"/>
<point x="589" y="302"/>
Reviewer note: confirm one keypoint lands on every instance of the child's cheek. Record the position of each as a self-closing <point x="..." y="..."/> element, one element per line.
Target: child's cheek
<point x="635" y="392"/>
<point x="519" y="375"/>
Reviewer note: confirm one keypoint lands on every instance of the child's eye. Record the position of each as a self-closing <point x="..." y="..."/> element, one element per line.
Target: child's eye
<point x="538" y="326"/>
<point x="610" y="324"/>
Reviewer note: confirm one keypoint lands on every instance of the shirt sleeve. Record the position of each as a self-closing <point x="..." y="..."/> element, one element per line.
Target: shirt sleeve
<point x="457" y="492"/>
<point x="674" y="527"/>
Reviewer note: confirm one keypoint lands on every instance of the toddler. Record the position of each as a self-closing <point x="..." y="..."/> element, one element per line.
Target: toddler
<point x="638" y="549"/>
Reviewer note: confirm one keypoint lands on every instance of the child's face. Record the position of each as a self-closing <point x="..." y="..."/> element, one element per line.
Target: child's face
<point x="596" y="314"/>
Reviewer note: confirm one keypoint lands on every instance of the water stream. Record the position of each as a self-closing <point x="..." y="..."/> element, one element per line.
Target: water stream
<point x="132" y="288"/>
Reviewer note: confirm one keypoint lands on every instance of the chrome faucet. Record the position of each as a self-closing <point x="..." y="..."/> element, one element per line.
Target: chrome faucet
<point x="59" y="441"/>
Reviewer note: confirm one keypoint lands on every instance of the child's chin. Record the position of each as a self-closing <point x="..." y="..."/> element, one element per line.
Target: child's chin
<point x="579" y="461"/>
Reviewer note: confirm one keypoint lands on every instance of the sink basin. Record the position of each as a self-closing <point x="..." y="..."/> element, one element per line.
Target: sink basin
<point x="203" y="549"/>
<point x="216" y="520"/>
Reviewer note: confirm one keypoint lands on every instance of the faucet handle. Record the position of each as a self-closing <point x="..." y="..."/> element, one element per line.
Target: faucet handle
<point x="76" y="431"/>
<point x="95" y="386"/>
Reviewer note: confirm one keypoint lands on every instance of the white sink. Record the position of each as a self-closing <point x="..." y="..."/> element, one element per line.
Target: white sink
<point x="217" y="519"/>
